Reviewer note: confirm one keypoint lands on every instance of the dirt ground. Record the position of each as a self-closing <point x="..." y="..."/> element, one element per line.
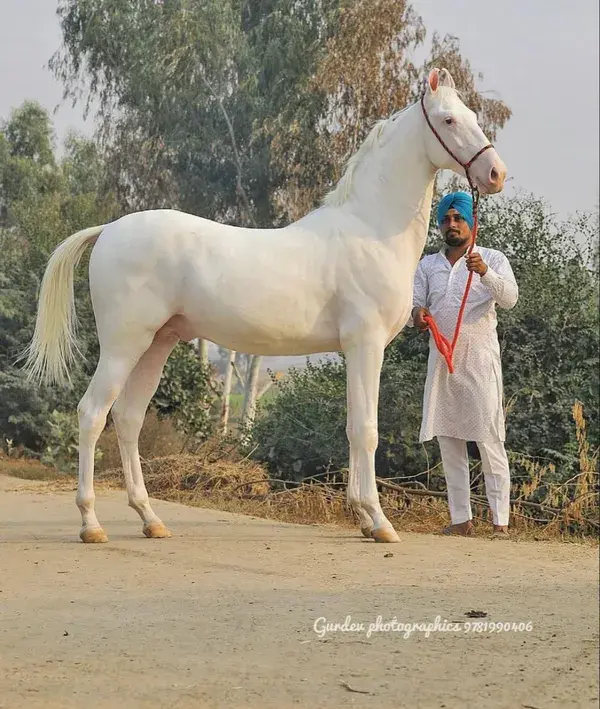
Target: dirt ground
<point x="223" y="614"/>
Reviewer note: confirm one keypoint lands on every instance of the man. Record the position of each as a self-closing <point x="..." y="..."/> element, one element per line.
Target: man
<point x="466" y="405"/>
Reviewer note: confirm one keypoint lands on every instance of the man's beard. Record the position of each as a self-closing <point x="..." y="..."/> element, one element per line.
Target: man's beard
<point x="455" y="239"/>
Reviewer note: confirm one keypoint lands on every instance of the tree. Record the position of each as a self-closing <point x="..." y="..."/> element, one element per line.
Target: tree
<point x="363" y="73"/>
<point x="548" y="343"/>
<point x="240" y="111"/>
<point x="45" y="200"/>
<point x="192" y="87"/>
<point x="27" y="165"/>
<point x="225" y="400"/>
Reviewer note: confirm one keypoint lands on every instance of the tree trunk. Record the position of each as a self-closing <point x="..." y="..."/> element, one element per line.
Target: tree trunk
<point x="227" y="392"/>
<point x="202" y="350"/>
<point x="249" y="411"/>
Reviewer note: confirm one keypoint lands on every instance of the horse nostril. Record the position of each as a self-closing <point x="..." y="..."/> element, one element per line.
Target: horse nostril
<point x="494" y="175"/>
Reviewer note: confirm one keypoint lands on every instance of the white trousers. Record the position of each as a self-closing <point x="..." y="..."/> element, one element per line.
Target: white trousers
<point x="496" y="473"/>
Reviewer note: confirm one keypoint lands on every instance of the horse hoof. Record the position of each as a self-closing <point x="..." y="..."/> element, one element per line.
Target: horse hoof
<point x="156" y="530"/>
<point x="93" y="535"/>
<point x="386" y="535"/>
<point x="367" y="532"/>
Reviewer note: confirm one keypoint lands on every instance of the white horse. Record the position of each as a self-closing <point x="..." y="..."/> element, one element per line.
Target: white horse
<point x="340" y="278"/>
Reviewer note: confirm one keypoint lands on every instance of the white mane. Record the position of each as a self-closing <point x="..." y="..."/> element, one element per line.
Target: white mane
<point x="340" y="193"/>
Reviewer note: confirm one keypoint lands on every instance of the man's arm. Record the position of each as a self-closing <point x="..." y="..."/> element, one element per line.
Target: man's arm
<point x="419" y="296"/>
<point x="499" y="279"/>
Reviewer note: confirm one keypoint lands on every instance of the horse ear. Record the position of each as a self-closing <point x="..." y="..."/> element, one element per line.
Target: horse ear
<point x="446" y="79"/>
<point x="433" y="80"/>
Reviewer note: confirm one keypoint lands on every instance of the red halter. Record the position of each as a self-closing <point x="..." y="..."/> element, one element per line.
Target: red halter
<point x="445" y="347"/>
<point x="464" y="165"/>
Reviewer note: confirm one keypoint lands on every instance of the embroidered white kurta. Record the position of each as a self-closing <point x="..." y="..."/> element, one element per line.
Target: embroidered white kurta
<point x="468" y="403"/>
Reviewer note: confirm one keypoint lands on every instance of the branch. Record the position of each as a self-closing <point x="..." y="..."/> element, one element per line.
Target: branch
<point x="237" y="373"/>
<point x="264" y="389"/>
<point x="238" y="162"/>
<point x="479" y="499"/>
<point x="265" y="480"/>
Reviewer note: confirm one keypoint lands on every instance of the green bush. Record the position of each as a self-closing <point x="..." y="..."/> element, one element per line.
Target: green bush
<point x="301" y="428"/>
<point x="187" y="394"/>
<point x="62" y="442"/>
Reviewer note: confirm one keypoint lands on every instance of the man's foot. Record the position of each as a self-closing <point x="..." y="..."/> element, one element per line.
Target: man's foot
<point x="464" y="529"/>
<point x="500" y="532"/>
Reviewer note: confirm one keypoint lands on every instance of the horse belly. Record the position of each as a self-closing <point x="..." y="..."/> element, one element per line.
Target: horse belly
<point x="250" y="290"/>
<point x="258" y="319"/>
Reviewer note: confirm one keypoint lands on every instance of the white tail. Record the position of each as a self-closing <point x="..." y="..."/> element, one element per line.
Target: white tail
<point x="52" y="348"/>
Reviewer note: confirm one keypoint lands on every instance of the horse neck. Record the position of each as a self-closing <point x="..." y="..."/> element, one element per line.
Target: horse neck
<point x="393" y="190"/>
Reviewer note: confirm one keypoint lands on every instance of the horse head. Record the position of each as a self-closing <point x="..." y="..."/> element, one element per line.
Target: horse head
<point x="455" y="140"/>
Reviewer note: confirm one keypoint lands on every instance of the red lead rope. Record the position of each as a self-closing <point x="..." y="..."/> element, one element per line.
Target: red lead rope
<point x="445" y="347"/>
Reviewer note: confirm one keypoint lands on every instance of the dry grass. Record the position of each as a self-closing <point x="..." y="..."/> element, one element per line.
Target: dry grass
<point x="571" y="507"/>
<point x="158" y="438"/>
<point x="29" y="469"/>
<point x="219" y="477"/>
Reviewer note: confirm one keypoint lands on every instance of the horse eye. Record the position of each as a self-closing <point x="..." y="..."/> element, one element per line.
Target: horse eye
<point x="449" y="121"/>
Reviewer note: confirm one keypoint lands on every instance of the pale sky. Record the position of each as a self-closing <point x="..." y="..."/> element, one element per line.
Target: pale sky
<point x="539" y="56"/>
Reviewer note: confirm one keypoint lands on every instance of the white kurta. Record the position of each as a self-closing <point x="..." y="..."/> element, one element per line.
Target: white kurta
<point x="468" y="403"/>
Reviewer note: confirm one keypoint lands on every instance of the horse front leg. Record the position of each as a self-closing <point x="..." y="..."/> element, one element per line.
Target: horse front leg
<point x="364" y="357"/>
<point x="353" y="494"/>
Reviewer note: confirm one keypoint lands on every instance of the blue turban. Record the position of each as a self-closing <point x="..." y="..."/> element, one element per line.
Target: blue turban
<point x="461" y="201"/>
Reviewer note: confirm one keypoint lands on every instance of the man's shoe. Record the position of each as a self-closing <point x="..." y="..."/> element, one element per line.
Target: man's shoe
<point x="500" y="532"/>
<point x="464" y="529"/>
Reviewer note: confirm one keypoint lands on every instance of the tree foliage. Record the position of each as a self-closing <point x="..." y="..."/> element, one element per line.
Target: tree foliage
<point x="244" y="111"/>
<point x="43" y="200"/>
<point x="207" y="102"/>
<point x="550" y="342"/>
<point x="363" y="72"/>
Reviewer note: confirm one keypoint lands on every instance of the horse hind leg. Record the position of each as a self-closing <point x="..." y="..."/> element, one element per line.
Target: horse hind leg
<point x="114" y="367"/>
<point x="128" y="414"/>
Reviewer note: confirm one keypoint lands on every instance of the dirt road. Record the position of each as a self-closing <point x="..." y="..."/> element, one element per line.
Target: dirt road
<point x="222" y="614"/>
